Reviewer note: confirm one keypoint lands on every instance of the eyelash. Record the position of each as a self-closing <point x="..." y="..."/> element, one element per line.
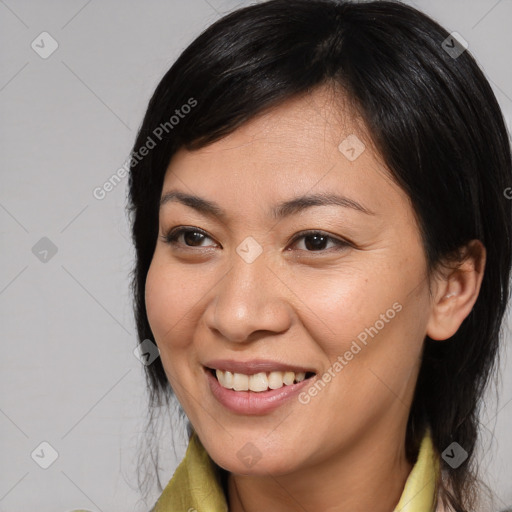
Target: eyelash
<point x="172" y="236"/>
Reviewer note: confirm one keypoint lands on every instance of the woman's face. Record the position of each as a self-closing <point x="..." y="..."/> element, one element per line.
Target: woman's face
<point x="246" y="291"/>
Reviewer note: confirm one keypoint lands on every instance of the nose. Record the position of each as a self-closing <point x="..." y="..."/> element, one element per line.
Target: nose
<point x="250" y="299"/>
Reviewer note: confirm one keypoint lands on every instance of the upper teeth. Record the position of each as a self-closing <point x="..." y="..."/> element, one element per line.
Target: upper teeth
<point x="259" y="381"/>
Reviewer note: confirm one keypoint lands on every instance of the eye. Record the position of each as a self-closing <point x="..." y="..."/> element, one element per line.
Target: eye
<point x="315" y="241"/>
<point x="192" y="237"/>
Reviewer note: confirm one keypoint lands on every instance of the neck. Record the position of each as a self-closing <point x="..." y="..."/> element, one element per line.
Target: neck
<point x="360" y="479"/>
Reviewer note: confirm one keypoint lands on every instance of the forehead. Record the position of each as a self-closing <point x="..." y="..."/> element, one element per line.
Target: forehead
<point x="305" y="145"/>
<point x="307" y="126"/>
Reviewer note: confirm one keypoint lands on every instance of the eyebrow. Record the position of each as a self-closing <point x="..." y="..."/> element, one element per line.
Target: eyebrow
<point x="279" y="211"/>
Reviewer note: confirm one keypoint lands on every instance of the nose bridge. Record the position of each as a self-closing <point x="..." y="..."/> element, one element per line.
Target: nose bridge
<point x="249" y="298"/>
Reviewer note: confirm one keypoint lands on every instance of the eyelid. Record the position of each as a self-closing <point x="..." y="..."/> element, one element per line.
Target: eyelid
<point x="177" y="231"/>
<point x="174" y="233"/>
<point x="310" y="232"/>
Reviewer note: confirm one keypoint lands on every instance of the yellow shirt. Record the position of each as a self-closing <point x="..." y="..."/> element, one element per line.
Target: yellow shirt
<point x="196" y="487"/>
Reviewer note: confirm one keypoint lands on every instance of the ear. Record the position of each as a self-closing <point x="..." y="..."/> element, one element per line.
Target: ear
<point x="456" y="291"/>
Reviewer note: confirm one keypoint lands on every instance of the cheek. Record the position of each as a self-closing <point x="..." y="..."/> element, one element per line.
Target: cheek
<point x="169" y="302"/>
<point x="170" y="297"/>
<point x="345" y="305"/>
<point x="375" y="321"/>
<point x="157" y="301"/>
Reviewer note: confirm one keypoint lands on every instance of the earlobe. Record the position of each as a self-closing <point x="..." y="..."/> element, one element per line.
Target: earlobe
<point x="456" y="293"/>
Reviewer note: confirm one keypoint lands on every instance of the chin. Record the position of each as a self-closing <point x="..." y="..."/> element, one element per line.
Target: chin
<point x="251" y="460"/>
<point x="260" y="468"/>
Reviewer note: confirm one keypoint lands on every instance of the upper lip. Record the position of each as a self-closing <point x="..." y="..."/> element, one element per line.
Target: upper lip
<point x="255" y="366"/>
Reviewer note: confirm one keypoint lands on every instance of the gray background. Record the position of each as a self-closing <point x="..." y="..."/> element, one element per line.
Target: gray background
<point x="68" y="374"/>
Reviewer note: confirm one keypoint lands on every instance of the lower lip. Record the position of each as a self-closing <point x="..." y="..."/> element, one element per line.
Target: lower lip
<point x="252" y="402"/>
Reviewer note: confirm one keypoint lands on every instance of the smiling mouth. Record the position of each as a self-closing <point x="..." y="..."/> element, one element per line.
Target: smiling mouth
<point x="258" y="382"/>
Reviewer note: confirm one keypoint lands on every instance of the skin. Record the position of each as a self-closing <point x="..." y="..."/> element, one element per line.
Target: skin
<point x="345" y="449"/>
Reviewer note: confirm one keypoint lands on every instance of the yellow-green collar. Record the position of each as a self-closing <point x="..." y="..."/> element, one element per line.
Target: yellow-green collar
<point x="195" y="485"/>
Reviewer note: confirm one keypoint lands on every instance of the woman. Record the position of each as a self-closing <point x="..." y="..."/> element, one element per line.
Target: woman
<point x="323" y="251"/>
